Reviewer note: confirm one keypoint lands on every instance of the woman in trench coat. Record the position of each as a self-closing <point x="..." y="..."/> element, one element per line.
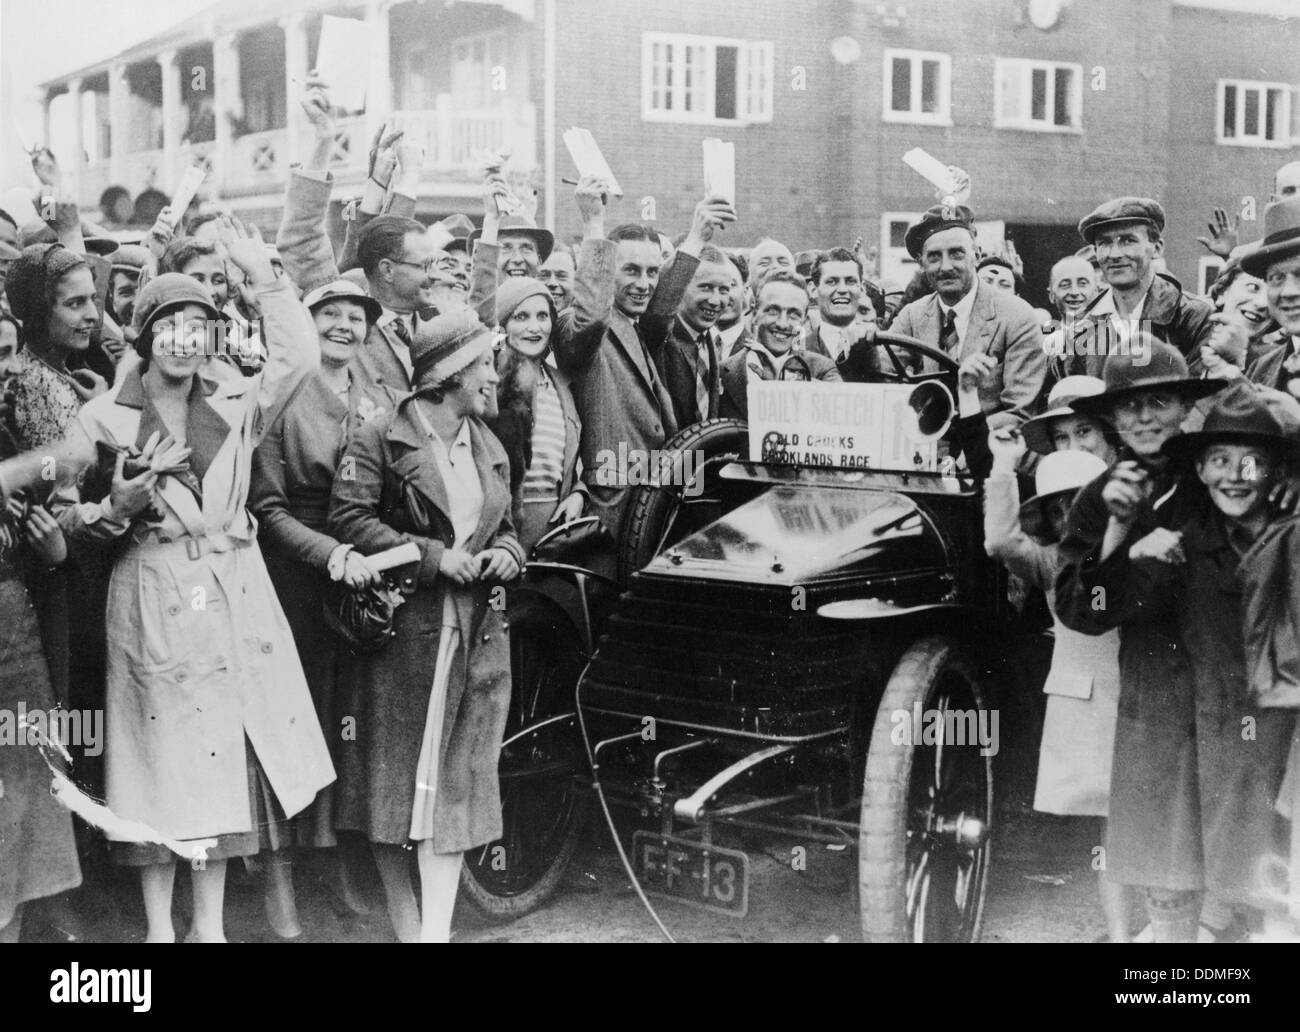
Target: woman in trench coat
<point x="211" y="733"/>
<point x="430" y="708"/>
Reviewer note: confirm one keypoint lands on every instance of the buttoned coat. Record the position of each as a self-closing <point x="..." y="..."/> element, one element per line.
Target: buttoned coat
<point x="1000" y="325"/>
<point x="293" y="472"/>
<point x="200" y="655"/>
<point x="396" y="495"/>
<point x="621" y="399"/>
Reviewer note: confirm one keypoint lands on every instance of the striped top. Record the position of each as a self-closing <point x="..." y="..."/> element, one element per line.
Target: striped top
<point x="542" y="480"/>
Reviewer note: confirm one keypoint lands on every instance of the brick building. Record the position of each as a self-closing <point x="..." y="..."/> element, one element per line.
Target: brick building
<point x="1051" y="105"/>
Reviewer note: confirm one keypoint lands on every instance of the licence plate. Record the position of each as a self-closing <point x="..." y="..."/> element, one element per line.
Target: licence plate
<point x="704" y="876"/>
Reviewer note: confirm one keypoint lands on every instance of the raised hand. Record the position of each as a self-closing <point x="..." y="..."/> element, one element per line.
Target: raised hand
<point x="711" y="214"/>
<point x="1007" y="446"/>
<point x="1223" y="234"/>
<point x="320" y="112"/>
<point x="244" y="247"/>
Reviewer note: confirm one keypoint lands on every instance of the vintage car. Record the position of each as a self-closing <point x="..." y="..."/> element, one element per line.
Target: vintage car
<point x="751" y="668"/>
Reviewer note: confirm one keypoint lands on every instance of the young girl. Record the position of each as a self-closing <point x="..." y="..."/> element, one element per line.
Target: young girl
<point x="537" y="422"/>
<point x="1082" y="686"/>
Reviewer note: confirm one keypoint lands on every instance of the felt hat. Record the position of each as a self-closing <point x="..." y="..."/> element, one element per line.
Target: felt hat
<point x="1281" y="237"/>
<point x="130" y="258"/>
<point x="1239" y="417"/>
<point x="167" y="292"/>
<point x="461" y="230"/>
<point x="1150" y="364"/>
<point x="344" y="290"/>
<point x="1058" y="473"/>
<point x="1122" y="209"/>
<point x="936" y="220"/>
<point x="36" y="266"/>
<point x="1037" y="431"/>
<point x="446" y="344"/>
<point x="522" y="225"/>
<point x="512" y="291"/>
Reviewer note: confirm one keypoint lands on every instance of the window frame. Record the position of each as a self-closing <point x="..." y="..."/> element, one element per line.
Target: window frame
<point x="896" y="258"/>
<point x="754" y="88"/>
<point x="943" y="116"/>
<point x="1208" y="267"/>
<point x="1023" y="123"/>
<point x="1287" y="139"/>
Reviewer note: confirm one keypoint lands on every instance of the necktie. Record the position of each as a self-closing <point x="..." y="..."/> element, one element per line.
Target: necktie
<point x="948" y="341"/>
<point x="705" y="375"/>
<point x="402" y="331"/>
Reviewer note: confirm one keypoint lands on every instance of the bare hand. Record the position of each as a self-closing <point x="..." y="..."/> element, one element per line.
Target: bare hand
<point x="382" y="154"/>
<point x="1229" y="338"/>
<point x="87" y="383"/>
<point x="501" y="565"/>
<point x="496" y="194"/>
<point x="973" y="370"/>
<point x="320" y="112"/>
<point x="46" y="166"/>
<point x="592" y="195"/>
<point x="1161" y="544"/>
<point x="160" y="233"/>
<point x="357" y="573"/>
<point x="711" y="214"/>
<point x="1125" y="491"/>
<point x="67" y="217"/>
<point x="129" y="498"/>
<point x="569" y="509"/>
<point x="1285" y="497"/>
<point x="458" y="566"/>
<point x="1007" y="445"/>
<point x="246" y="249"/>
<point x="45" y="537"/>
<point x="1223" y="235"/>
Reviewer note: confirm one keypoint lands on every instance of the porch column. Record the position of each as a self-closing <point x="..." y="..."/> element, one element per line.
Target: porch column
<point x="226" y="100"/>
<point x="78" y="164"/>
<point x="171" y="119"/>
<point x="295" y="75"/>
<point x="119" y="118"/>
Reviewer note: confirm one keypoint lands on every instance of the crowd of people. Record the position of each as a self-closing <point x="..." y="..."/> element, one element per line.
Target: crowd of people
<point x="243" y="431"/>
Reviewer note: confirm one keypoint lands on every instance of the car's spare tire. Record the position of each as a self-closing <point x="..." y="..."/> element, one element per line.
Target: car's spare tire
<point x="663" y="513"/>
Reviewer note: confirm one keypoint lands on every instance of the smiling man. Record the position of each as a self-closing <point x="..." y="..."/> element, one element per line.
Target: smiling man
<point x="837" y="282"/>
<point x="1072" y="284"/>
<point x="1277" y="262"/>
<point x="557" y="273"/>
<point x="1127" y="234"/>
<point x="964" y="316"/>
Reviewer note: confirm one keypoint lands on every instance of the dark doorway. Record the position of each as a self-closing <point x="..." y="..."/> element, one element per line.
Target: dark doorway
<point x="1041" y="246"/>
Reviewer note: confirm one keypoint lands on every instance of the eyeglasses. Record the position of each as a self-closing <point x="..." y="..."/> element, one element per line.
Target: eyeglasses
<point x="426" y="266"/>
<point x="1134" y="404"/>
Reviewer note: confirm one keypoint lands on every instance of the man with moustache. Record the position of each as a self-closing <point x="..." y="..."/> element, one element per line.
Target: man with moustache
<point x="1127" y="234"/>
<point x="1277" y="262"/>
<point x="778" y="323"/>
<point x="679" y="326"/>
<point x="964" y="316"/>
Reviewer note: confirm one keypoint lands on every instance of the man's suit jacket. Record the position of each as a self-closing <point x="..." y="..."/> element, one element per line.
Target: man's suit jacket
<point x="671" y="342"/>
<point x="861" y="364"/>
<point x="376" y="365"/>
<point x="620" y="397"/>
<point x="1001" y="325"/>
<point x="734" y="403"/>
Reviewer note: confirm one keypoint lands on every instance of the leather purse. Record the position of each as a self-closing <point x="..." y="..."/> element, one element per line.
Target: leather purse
<point x="362" y="617"/>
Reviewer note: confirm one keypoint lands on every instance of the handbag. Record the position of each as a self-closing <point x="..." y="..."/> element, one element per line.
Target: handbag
<point x="362" y="617"/>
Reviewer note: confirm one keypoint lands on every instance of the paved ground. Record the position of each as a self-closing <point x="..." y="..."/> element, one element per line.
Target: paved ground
<point x="1042" y="888"/>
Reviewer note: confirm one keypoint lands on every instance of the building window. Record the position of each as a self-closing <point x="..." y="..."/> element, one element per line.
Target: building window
<point x="1207" y="271"/>
<point x="896" y="265"/>
<point x="1254" y="114"/>
<point x="705" y="79"/>
<point x="918" y="87"/>
<point x="1041" y="96"/>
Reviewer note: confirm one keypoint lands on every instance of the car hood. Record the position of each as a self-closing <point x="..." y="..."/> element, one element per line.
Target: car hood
<point x="802" y="535"/>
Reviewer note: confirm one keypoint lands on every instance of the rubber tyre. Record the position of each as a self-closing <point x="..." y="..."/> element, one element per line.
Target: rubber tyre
<point x="547" y="660"/>
<point x="889" y="798"/>
<point x="646" y="529"/>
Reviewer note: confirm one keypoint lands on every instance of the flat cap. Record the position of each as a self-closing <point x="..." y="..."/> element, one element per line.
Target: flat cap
<point x="1122" y="209"/>
<point x="936" y="220"/>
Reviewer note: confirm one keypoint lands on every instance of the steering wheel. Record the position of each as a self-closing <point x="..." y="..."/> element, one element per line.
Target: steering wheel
<point x="892" y="343"/>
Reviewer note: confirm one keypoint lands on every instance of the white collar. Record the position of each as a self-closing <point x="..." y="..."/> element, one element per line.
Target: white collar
<point x="962" y="309"/>
<point x="1106" y="304"/>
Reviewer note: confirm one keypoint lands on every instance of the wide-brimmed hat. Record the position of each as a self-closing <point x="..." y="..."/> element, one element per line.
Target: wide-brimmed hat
<point x="461" y="230"/>
<point x="1239" y="417"/>
<point x="1150" y="364"/>
<point x="446" y="344"/>
<point x="1122" y="209"/>
<point x="1058" y="473"/>
<point x="344" y="290"/>
<point x="1281" y="237"/>
<point x="1037" y="431"/>
<point x="96" y="239"/>
<point x="522" y="225"/>
<point x="167" y="292"/>
<point x="936" y="220"/>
